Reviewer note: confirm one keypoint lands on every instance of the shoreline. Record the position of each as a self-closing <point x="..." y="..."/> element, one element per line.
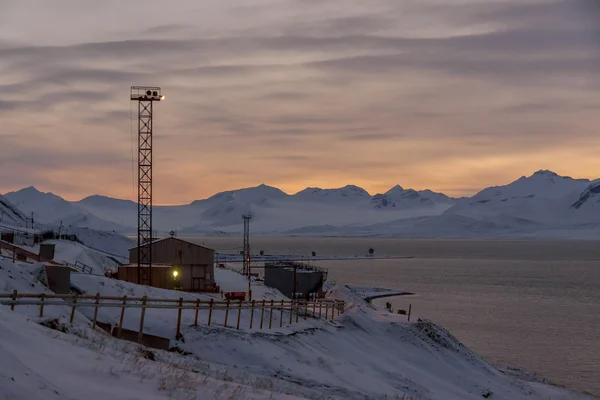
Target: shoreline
<point x="369" y="294"/>
<point x="382" y="296"/>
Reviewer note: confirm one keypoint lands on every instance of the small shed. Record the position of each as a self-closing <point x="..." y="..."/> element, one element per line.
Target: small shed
<point x="295" y="279"/>
<point x="193" y="264"/>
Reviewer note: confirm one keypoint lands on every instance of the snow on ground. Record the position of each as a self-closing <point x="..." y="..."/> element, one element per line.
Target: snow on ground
<point x="165" y="320"/>
<point x="37" y="363"/>
<point x="71" y="252"/>
<point x="366" y="353"/>
<point x="108" y="242"/>
<point x="26" y="278"/>
<point x="231" y="281"/>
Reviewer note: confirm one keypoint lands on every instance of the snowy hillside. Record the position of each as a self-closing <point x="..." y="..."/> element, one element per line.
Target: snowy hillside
<point x="542" y="184"/>
<point x="253" y="195"/>
<point x="348" y="193"/>
<point x="10" y="214"/>
<point x="108" y="242"/>
<point x="589" y="198"/>
<point x="38" y="363"/>
<point x="107" y="202"/>
<point x="543" y="198"/>
<point x="366" y="353"/>
<point x="273" y="211"/>
<point x="397" y="197"/>
<point x="48" y="208"/>
<point x="544" y="204"/>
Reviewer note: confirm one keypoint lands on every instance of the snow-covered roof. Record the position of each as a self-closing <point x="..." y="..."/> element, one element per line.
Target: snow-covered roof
<point x="173" y="238"/>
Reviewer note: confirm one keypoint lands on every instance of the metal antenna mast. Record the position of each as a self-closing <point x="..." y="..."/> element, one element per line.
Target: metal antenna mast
<point x="145" y="96"/>
<point x="246" y="264"/>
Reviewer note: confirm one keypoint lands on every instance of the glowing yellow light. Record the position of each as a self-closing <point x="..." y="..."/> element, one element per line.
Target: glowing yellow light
<point x="162" y="97"/>
<point x="175" y="273"/>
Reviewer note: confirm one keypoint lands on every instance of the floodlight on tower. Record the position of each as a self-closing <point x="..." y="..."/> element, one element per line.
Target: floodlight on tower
<point x="145" y="97"/>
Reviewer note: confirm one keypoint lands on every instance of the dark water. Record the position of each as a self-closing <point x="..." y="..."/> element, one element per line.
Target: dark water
<point x="533" y="304"/>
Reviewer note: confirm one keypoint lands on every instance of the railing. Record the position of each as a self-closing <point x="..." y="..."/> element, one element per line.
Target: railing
<point x="317" y="309"/>
<point x="81" y="267"/>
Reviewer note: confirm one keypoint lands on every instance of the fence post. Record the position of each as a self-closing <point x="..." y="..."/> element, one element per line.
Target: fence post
<point x="95" y="320"/>
<point x="320" y="303"/>
<point x="122" y="315"/>
<point x="42" y="297"/>
<point x="73" y="309"/>
<point x="297" y="310"/>
<point x="197" y="309"/>
<point x="314" y="304"/>
<point x="291" y="311"/>
<point x="281" y="315"/>
<point x="212" y="303"/>
<point x="271" y="315"/>
<point x="14" y="299"/>
<point x="142" y="315"/>
<point x="409" y="310"/>
<point x="226" y="313"/>
<point x="327" y="309"/>
<point x="239" y="315"/>
<point x="252" y="314"/>
<point x="305" y="309"/>
<point x="179" y="310"/>
<point x="262" y="313"/>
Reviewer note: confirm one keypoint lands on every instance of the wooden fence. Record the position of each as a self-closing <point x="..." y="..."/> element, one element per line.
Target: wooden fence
<point x="318" y="309"/>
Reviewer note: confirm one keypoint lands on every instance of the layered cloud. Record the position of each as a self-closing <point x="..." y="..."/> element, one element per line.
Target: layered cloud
<point x="446" y="95"/>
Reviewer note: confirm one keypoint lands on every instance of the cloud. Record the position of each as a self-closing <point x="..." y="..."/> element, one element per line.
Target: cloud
<point x="285" y="96"/>
<point x="290" y="90"/>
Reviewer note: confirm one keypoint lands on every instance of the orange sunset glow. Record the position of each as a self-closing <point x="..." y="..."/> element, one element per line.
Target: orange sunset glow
<point x="451" y="96"/>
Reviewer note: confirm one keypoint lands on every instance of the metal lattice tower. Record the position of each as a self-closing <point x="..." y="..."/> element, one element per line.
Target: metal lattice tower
<point x="145" y="96"/>
<point x="246" y="264"/>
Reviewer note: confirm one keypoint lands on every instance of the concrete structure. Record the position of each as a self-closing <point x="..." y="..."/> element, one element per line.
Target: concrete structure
<point x="193" y="264"/>
<point x="307" y="279"/>
<point x="47" y="251"/>
<point x="156" y="342"/>
<point x="58" y="278"/>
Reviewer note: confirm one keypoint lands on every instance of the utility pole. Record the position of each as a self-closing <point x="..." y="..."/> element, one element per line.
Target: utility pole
<point x="294" y="294"/>
<point x="145" y="97"/>
<point x="246" y="264"/>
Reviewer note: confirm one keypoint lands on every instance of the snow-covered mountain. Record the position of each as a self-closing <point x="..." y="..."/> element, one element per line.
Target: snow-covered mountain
<point x="544" y="197"/>
<point x="46" y="207"/>
<point x="50" y="209"/>
<point x="105" y="202"/>
<point x="589" y="198"/>
<point x="10" y="214"/>
<point x="260" y="194"/>
<point x="348" y="193"/>
<point x="534" y="205"/>
<point x="398" y="197"/>
<point x="542" y="184"/>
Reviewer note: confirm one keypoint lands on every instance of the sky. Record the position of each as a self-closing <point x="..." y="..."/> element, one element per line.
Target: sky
<point x="447" y="95"/>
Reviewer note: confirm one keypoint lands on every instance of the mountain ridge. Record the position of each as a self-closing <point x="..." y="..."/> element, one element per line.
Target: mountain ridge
<point x="540" y="202"/>
<point x="395" y="188"/>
